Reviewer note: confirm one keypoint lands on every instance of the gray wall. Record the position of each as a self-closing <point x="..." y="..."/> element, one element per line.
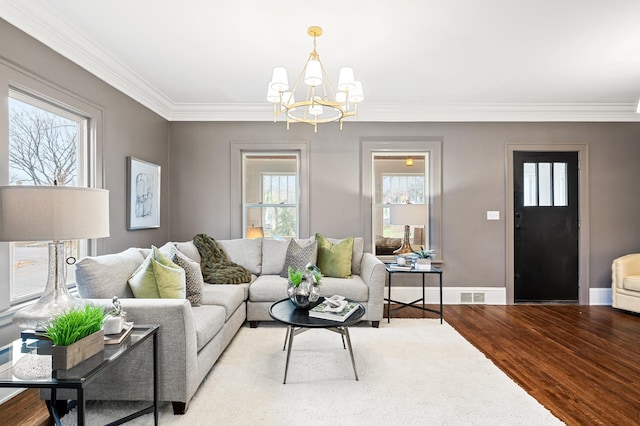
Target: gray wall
<point x="473" y="181"/>
<point x="129" y="130"/>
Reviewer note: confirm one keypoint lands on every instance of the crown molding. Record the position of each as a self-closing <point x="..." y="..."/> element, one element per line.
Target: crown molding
<point x="51" y="29"/>
<point x="620" y="112"/>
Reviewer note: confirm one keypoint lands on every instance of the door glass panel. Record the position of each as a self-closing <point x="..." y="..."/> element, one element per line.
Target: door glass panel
<point x="560" y="184"/>
<point x="530" y="184"/>
<point x="544" y="180"/>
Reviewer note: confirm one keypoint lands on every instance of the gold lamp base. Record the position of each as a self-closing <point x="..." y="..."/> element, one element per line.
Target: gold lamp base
<point x="406" y="246"/>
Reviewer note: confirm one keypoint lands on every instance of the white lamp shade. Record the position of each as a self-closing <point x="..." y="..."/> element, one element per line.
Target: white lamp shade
<point x="638" y="109"/>
<point x="273" y="95"/>
<point x="287" y="99"/>
<point x="341" y="98"/>
<point x="313" y="73"/>
<point x="357" y="94"/>
<point x="280" y="81"/>
<point x="45" y="213"/>
<point x="409" y="214"/>
<point x="346" y="80"/>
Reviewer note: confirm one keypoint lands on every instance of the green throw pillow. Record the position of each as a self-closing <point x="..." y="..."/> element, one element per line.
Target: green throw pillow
<point x="158" y="277"/>
<point x="334" y="260"/>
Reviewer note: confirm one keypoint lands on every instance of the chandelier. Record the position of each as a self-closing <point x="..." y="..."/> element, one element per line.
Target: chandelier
<point x="321" y="104"/>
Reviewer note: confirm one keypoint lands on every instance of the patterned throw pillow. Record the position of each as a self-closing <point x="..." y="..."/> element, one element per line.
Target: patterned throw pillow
<point x="193" y="278"/>
<point x="298" y="257"/>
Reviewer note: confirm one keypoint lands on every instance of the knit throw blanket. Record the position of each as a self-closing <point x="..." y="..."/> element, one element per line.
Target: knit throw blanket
<point x="216" y="266"/>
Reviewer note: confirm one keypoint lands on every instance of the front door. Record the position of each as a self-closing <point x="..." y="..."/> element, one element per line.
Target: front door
<point x="546" y="226"/>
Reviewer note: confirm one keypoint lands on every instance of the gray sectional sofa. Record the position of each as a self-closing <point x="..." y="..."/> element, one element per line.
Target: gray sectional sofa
<point x="191" y="338"/>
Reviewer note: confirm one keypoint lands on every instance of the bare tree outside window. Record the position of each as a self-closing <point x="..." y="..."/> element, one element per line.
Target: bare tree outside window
<point x="42" y="146"/>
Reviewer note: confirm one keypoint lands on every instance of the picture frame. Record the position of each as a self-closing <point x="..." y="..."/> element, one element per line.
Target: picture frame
<point x="143" y="194"/>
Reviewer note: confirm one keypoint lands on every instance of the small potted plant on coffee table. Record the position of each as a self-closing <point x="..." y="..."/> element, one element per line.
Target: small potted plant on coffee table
<point x="423" y="263"/>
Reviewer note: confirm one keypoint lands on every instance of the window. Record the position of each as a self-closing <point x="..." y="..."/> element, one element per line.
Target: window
<point x="397" y="171"/>
<point x="271" y="194"/>
<point x="398" y="178"/>
<point x="47" y="144"/>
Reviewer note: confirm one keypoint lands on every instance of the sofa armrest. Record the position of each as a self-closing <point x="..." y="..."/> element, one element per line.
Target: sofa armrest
<point x="374" y="275"/>
<point x="177" y="348"/>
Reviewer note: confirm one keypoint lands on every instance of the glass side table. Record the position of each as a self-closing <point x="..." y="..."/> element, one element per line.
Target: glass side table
<point x="26" y="363"/>
<point x="391" y="271"/>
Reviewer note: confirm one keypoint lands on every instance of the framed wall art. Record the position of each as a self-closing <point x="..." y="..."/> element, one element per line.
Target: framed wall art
<point x="143" y="194"/>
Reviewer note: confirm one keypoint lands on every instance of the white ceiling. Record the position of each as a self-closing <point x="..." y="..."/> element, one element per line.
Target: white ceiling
<point x="419" y="60"/>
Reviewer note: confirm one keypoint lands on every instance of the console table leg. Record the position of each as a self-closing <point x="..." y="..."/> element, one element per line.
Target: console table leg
<point x="389" y="301"/>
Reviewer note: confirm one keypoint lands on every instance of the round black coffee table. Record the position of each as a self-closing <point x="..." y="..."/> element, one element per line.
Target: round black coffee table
<point x="298" y="321"/>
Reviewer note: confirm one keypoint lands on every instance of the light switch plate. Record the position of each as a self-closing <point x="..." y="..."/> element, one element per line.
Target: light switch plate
<point x="493" y="215"/>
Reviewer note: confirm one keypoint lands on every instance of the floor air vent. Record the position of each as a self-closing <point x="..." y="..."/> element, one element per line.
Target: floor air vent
<point x="470" y="298"/>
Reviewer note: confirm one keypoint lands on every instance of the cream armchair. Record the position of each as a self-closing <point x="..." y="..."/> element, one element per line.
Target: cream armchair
<point x="625" y="282"/>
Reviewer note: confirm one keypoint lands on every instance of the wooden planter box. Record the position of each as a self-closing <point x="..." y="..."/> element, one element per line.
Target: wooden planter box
<point x="66" y="357"/>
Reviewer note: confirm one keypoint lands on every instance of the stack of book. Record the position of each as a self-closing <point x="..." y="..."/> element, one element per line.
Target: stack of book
<point x="333" y="312"/>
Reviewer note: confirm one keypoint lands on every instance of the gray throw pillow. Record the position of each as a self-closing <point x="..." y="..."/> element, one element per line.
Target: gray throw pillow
<point x="193" y="277"/>
<point x="193" y="273"/>
<point x="298" y="257"/>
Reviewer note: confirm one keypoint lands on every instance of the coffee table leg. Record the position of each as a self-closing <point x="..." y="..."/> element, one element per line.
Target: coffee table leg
<point x="286" y="338"/>
<point x="286" y="367"/>
<point x="353" y="361"/>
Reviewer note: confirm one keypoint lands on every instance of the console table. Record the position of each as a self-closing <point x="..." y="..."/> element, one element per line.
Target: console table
<point x="26" y="363"/>
<point x="391" y="271"/>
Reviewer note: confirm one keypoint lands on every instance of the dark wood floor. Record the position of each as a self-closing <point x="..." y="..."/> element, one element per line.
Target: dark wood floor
<point x="581" y="362"/>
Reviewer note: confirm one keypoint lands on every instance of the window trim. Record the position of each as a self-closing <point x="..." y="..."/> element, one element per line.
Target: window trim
<point x="262" y="205"/>
<point x="237" y="150"/>
<point x="18" y="79"/>
<point x="432" y="146"/>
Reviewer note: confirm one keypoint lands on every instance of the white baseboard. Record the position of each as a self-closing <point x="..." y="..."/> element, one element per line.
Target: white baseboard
<point x="451" y="295"/>
<point x="474" y="295"/>
<point x="600" y="296"/>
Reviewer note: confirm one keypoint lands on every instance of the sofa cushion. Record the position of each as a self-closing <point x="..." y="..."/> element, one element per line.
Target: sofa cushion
<point x="208" y="321"/>
<point x="246" y="252"/>
<point x="158" y="277"/>
<point x="334" y="259"/>
<point x="631" y="282"/>
<point x="268" y="288"/>
<point x="298" y="257"/>
<point x="229" y="296"/>
<point x="353" y="288"/>
<point x="274" y="253"/>
<point x="192" y="272"/>
<point x="102" y="277"/>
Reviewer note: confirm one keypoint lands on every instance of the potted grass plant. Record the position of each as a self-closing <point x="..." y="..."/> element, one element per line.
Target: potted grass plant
<point x="76" y="335"/>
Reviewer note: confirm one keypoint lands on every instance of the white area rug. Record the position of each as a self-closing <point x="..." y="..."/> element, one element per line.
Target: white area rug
<point x="412" y="371"/>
